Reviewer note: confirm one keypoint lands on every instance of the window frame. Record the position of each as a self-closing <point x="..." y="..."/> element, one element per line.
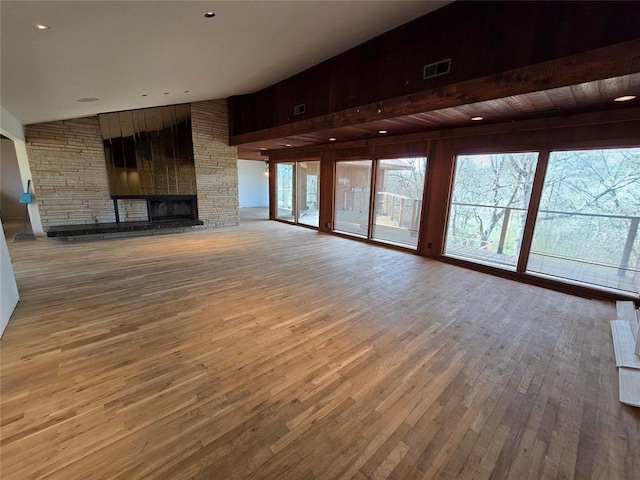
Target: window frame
<point x="375" y="159"/>
<point x="273" y="200"/>
<point x="544" y="150"/>
<point x="536" y="192"/>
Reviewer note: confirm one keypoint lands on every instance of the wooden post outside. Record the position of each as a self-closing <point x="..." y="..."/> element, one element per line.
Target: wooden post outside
<point x="505" y="227"/>
<point x="628" y="245"/>
<point x="393" y="207"/>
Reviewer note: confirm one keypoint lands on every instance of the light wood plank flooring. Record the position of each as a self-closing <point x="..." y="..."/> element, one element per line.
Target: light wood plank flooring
<point x="272" y="351"/>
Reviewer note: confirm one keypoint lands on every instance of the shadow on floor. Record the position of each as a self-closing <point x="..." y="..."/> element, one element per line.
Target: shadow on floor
<point x="14" y="226"/>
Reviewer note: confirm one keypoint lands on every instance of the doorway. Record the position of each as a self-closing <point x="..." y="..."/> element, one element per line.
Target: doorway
<point x="298" y="192"/>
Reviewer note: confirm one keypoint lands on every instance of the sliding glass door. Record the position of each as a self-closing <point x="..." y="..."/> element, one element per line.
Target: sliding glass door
<point x="308" y="193"/>
<point x="352" y="197"/>
<point x="398" y="200"/>
<point x="298" y="192"/>
<point x="393" y="214"/>
<point x="285" y="192"/>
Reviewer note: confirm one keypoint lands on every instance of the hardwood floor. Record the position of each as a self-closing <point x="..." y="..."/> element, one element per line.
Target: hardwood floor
<point x="272" y="351"/>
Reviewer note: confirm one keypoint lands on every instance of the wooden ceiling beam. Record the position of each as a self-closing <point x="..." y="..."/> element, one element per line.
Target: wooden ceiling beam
<point x="622" y="115"/>
<point x="606" y="62"/>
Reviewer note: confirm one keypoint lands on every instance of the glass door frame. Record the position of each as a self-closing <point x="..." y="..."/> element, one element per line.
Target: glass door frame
<point x="333" y="200"/>
<point x="375" y="159"/>
<point x="273" y="171"/>
<point x="293" y="191"/>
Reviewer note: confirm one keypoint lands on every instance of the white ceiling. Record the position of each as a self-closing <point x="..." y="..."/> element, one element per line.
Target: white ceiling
<point x="117" y="51"/>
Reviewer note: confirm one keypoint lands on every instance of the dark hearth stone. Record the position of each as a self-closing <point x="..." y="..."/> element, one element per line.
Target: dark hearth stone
<point x="107" y="228"/>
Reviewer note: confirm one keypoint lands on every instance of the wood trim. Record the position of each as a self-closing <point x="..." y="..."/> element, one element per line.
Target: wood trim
<point x="436" y="210"/>
<point x="273" y="199"/>
<point x="606" y="62"/>
<point x="617" y="115"/>
<point x="559" y="286"/>
<point x="327" y="187"/>
<point x="293" y="154"/>
<point x="532" y="211"/>
<point x="426" y="195"/>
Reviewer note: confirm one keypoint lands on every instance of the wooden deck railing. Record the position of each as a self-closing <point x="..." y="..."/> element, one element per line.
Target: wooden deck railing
<point x="395" y="207"/>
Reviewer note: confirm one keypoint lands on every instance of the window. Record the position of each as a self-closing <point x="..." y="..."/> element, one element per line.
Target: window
<point x="489" y="206"/>
<point x="352" y="197"/>
<point x="587" y="224"/>
<point x="399" y="186"/>
<point x="284" y="191"/>
<point x="398" y="201"/>
<point x="298" y="192"/>
<point x="308" y="184"/>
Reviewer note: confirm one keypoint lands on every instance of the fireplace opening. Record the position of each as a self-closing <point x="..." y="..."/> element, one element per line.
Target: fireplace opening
<point x="172" y="209"/>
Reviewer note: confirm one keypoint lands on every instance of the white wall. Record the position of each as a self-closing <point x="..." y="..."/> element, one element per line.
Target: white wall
<point x="8" y="288"/>
<point x="10" y="183"/>
<point x="253" y="185"/>
<point x="11" y="128"/>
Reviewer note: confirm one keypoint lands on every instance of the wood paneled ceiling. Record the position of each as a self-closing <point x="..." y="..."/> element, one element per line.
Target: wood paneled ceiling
<point x="591" y="96"/>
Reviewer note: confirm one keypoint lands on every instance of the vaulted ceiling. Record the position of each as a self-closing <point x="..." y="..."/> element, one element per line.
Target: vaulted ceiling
<point x="138" y="54"/>
<point x="105" y="56"/>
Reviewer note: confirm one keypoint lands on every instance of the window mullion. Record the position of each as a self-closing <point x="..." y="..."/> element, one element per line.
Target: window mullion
<point x="295" y="192"/>
<point x="372" y="195"/>
<point x="532" y="212"/>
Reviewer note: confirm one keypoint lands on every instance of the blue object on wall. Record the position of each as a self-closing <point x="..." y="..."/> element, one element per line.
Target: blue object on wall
<point x="26" y="197"/>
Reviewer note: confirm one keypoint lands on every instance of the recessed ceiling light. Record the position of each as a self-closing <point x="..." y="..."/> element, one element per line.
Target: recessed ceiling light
<point x="87" y="99"/>
<point x="262" y="148"/>
<point x="624" y="98"/>
<point x="209" y="15"/>
<point x="332" y="139"/>
<point x="287" y="144"/>
<point x="382" y="132"/>
<point x="42" y="26"/>
<point x="476" y="119"/>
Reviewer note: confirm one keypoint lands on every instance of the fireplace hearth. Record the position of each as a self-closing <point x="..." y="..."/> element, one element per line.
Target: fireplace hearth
<point x="164" y="212"/>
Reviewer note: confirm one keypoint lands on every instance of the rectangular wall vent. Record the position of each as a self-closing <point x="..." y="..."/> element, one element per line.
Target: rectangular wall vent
<point x="436" y="69"/>
<point x="299" y="109"/>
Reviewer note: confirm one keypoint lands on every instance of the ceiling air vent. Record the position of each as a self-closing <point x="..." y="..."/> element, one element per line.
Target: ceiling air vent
<point x="436" y="69"/>
<point x="300" y="109"/>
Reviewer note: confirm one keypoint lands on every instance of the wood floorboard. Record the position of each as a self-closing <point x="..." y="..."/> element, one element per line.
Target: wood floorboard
<point x="269" y="351"/>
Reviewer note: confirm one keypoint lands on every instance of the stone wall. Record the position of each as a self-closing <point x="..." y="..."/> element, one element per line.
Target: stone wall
<point x="131" y="210"/>
<point x="69" y="173"/>
<point x="216" y="164"/>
